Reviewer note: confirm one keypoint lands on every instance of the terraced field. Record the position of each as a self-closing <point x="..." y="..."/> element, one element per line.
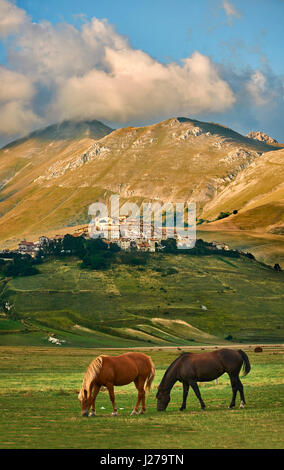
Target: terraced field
<point x="203" y="300"/>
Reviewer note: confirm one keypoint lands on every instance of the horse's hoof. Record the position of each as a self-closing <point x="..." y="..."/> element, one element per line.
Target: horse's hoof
<point x="92" y="414"/>
<point x="114" y="413"/>
<point x="142" y="412"/>
<point x="242" y="405"/>
<point x="134" y="413"/>
<point x="231" y="407"/>
<point x="181" y="409"/>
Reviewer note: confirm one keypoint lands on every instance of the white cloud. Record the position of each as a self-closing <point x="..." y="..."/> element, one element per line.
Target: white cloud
<point x="62" y="51"/>
<point x="62" y="72"/>
<point x="259" y="101"/>
<point x="94" y="73"/>
<point x="231" y="11"/>
<point x="11" y="18"/>
<point x="135" y="86"/>
<point x="16" y="94"/>
<point x="257" y="87"/>
<point x="17" y="119"/>
<point x="14" y="86"/>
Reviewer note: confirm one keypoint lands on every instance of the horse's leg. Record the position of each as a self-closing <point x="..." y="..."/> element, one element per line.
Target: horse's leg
<point x="197" y="393"/>
<point x="234" y="384"/>
<point x="185" y="393"/>
<point x="241" y="390"/>
<point x="111" y="396"/>
<point x="143" y="406"/>
<point x="96" y="391"/>
<point x="139" y="384"/>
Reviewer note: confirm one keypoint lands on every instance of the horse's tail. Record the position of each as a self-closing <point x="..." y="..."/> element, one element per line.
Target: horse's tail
<point x="90" y="376"/>
<point x="150" y="377"/>
<point x="246" y="363"/>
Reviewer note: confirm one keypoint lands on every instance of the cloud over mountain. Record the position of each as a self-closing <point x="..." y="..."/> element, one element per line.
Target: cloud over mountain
<point x="132" y="85"/>
<point x="93" y="72"/>
<point x="11" y="18"/>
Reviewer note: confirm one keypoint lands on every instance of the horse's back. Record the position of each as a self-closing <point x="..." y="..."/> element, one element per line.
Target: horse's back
<point x="204" y="367"/>
<point x="125" y="368"/>
<point x="210" y="365"/>
<point x="229" y="355"/>
<point x="231" y="359"/>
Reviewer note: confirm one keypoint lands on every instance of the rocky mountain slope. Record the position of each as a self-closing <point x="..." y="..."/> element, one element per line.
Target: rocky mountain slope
<point x="258" y="195"/>
<point x="262" y="137"/>
<point x="49" y="179"/>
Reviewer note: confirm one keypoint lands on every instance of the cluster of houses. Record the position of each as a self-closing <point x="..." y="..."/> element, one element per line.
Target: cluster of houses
<point x="219" y="246"/>
<point x="128" y="235"/>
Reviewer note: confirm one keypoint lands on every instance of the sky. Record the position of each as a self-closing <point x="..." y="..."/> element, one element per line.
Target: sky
<point x="136" y="62"/>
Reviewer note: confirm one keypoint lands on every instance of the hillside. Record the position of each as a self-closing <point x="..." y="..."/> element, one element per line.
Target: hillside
<point x="49" y="179"/>
<point x="172" y="300"/>
<point x="258" y="195"/>
<point x="23" y="203"/>
<point x="266" y="247"/>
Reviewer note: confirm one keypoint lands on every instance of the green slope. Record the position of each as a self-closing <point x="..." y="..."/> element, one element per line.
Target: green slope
<point x="130" y="306"/>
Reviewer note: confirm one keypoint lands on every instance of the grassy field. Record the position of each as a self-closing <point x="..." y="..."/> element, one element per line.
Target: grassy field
<point x="40" y="409"/>
<point x="173" y="300"/>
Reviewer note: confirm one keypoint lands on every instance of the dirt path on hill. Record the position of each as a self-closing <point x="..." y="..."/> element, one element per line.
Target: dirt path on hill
<point x="265" y="347"/>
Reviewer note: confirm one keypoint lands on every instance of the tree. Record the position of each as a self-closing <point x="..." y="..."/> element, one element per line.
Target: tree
<point x="73" y="245"/>
<point x="97" y="261"/>
<point x="222" y="215"/>
<point x="277" y="267"/>
<point x="170" y="245"/>
<point x="114" y="248"/>
<point x="21" y="266"/>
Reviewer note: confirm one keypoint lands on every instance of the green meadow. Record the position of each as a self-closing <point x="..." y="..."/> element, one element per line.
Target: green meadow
<point x="40" y="408"/>
<point x="172" y="300"/>
<point x="172" y="303"/>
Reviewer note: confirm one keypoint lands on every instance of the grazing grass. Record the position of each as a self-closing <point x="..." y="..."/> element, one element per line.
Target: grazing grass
<point x="40" y="409"/>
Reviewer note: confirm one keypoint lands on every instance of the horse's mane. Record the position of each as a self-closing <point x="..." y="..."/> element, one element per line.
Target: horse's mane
<point x="91" y="373"/>
<point x="170" y="367"/>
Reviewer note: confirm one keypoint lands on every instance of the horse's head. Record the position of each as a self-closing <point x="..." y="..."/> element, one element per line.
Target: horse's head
<point x="163" y="399"/>
<point x="86" y="401"/>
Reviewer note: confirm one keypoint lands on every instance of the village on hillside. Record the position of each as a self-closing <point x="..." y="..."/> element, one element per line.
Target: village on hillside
<point x="128" y="234"/>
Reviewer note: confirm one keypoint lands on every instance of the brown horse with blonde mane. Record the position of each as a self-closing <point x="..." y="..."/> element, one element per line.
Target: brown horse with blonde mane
<point x="110" y="371"/>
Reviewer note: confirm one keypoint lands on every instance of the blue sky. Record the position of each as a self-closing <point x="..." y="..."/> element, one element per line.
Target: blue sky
<point x="233" y="47"/>
<point x="170" y="30"/>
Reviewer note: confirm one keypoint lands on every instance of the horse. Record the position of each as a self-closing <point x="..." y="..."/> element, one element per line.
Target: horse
<point x="190" y="368"/>
<point x="110" y="371"/>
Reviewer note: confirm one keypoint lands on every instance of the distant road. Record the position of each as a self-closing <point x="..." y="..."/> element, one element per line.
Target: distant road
<point x="206" y="347"/>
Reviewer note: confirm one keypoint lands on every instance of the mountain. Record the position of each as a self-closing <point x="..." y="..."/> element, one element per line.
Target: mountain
<point x="262" y="137"/>
<point x="66" y="130"/>
<point x="49" y="179"/>
<point x="258" y="195"/>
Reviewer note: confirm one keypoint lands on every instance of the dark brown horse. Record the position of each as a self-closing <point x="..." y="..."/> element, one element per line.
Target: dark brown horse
<point x="190" y="368"/>
<point x="108" y="371"/>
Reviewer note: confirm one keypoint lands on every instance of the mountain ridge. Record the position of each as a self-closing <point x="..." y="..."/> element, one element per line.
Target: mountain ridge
<point x="49" y="178"/>
<point x="62" y="131"/>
